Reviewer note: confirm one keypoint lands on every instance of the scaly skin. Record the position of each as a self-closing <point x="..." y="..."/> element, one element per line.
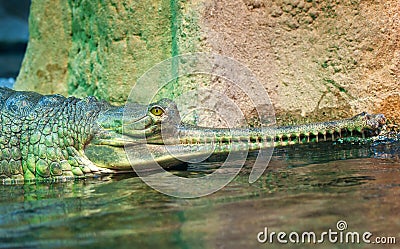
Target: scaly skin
<point x="47" y="138"/>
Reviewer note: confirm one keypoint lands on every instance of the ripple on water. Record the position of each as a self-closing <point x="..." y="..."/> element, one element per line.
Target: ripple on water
<point x="300" y="191"/>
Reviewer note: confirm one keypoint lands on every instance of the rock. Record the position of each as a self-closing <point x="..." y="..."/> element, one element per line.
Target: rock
<point x="99" y="48"/>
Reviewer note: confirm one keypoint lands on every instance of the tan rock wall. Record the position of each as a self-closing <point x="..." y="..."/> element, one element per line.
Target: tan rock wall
<point x="45" y="65"/>
<point x="317" y="59"/>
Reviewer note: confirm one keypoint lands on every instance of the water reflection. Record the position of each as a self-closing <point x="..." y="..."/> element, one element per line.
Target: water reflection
<point x="301" y="191"/>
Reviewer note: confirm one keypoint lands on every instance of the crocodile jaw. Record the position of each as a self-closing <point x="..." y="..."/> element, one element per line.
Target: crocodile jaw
<point x="188" y="142"/>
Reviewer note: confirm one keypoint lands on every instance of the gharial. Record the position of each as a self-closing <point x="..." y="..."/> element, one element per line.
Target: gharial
<point x="45" y="137"/>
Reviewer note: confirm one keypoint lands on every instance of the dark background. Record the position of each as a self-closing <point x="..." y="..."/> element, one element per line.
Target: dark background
<point x="13" y="37"/>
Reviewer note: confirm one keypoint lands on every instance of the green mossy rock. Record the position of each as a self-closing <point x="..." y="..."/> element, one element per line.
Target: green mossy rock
<point x="97" y="47"/>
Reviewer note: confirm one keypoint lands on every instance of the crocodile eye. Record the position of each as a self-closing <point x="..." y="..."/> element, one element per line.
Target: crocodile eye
<point x="157" y="111"/>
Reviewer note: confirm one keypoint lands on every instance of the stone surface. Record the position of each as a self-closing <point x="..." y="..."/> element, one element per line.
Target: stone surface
<point x="94" y="47"/>
<point x="318" y="60"/>
<point x="45" y="65"/>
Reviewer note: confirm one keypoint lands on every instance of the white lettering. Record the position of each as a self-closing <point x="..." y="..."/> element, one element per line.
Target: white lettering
<point x="263" y="236"/>
<point x="366" y="237"/>
<point x="281" y="238"/>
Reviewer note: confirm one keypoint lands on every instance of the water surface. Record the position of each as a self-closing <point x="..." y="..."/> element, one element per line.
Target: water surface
<point x="303" y="189"/>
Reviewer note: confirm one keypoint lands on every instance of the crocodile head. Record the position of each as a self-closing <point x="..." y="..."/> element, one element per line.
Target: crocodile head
<point x="133" y="126"/>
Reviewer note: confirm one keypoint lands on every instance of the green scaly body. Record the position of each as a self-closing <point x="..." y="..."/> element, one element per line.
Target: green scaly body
<point x="52" y="137"/>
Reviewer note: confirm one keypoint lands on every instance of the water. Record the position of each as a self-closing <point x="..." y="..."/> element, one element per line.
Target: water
<point x="7" y="82"/>
<point x="304" y="189"/>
